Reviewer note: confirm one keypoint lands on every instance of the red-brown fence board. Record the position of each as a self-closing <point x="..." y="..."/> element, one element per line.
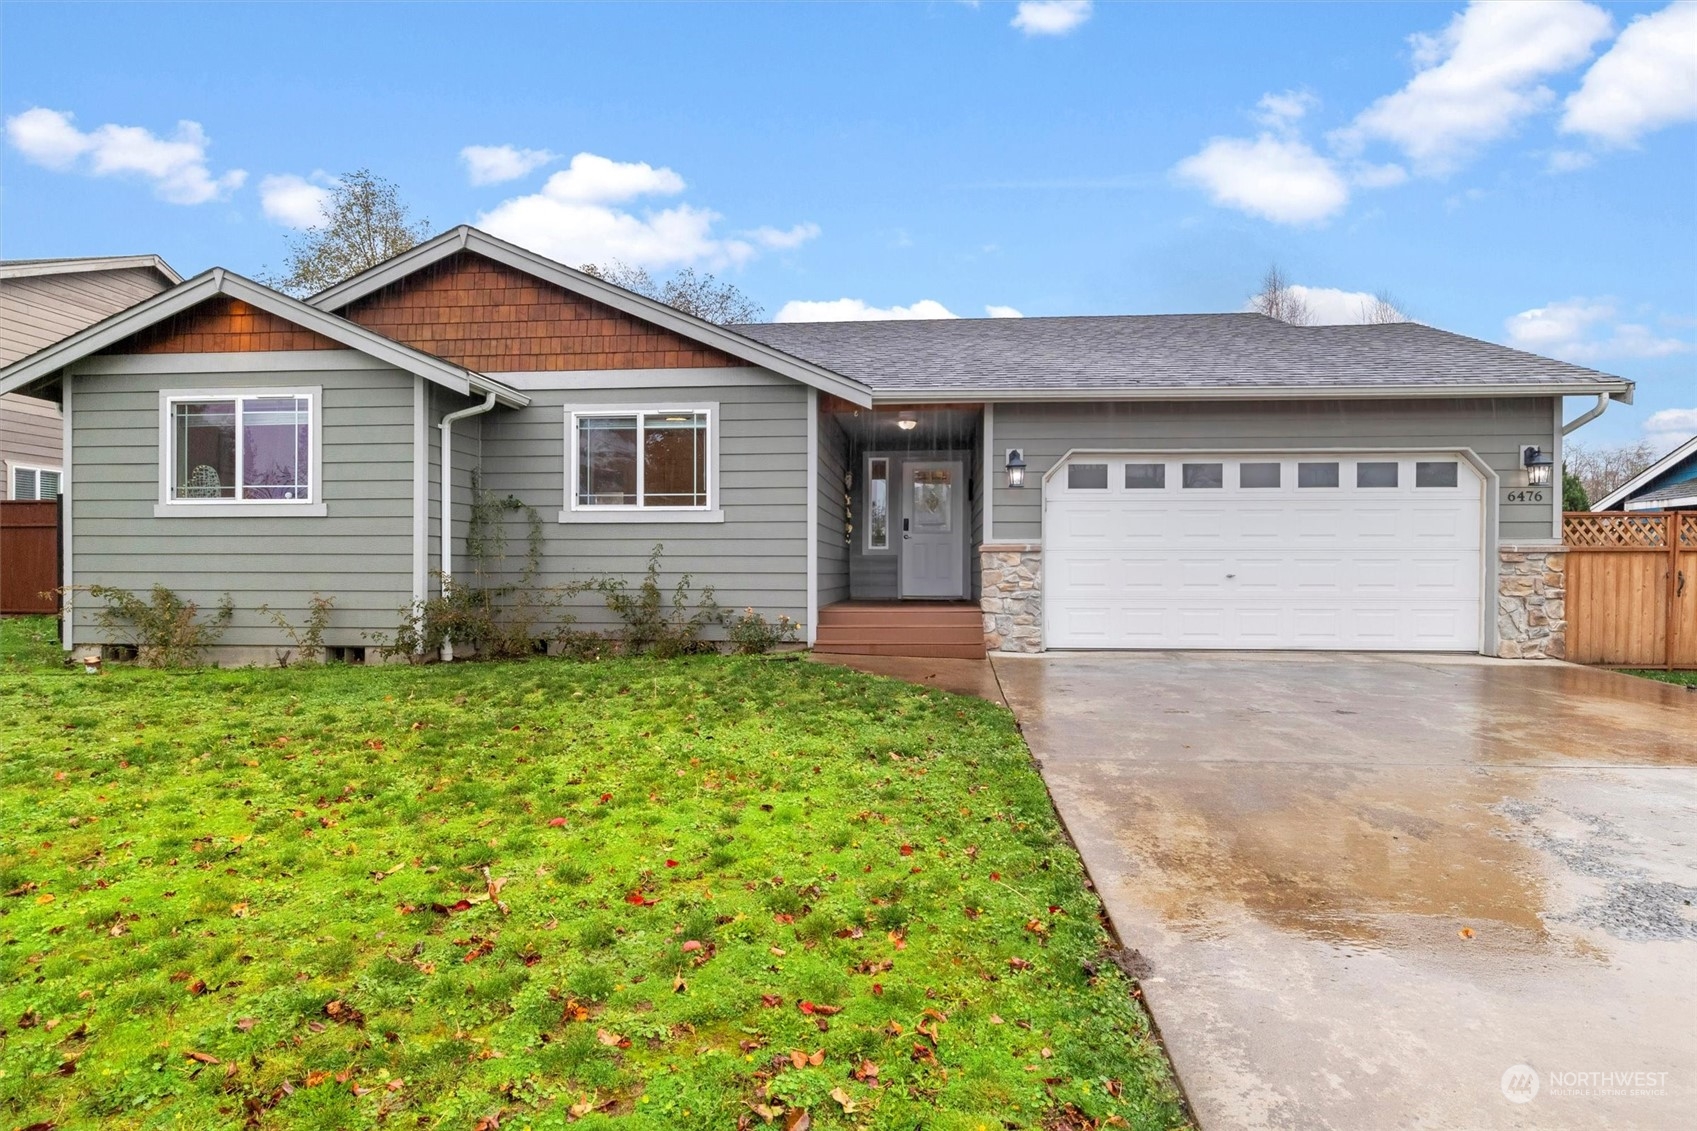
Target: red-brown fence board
<point x="29" y="557"/>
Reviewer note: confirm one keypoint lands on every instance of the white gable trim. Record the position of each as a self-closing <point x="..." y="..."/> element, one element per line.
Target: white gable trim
<point x="1619" y="494"/>
<point x="466" y="238"/>
<point x="221" y="282"/>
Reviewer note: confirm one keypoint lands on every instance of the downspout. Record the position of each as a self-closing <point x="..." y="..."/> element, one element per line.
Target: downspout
<point x="1589" y="415"/>
<point x="447" y="426"/>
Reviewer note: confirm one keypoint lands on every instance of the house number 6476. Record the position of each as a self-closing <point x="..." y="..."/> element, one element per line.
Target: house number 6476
<point x="1526" y="496"/>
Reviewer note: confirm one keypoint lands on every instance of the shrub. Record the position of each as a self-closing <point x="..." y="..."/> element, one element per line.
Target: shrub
<point x="309" y="640"/>
<point x="496" y="622"/>
<point x="164" y="630"/>
<point x="752" y="634"/>
<point x="654" y="625"/>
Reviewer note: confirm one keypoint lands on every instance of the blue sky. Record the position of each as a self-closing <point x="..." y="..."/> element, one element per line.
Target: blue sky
<point x="1523" y="173"/>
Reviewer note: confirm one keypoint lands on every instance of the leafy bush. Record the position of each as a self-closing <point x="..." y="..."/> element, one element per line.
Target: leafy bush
<point x="497" y="622"/>
<point x="752" y="634"/>
<point x="163" y="630"/>
<point x="309" y="640"/>
<point x="652" y="623"/>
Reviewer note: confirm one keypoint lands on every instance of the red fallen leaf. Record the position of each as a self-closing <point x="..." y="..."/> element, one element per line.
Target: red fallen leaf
<point x="360" y="1091"/>
<point x="851" y="933"/>
<point x="374" y="743"/>
<point x="605" y="797"/>
<point x="637" y="899"/>
<point x="692" y="944"/>
<point x="201" y="1057"/>
<point x="822" y="1010"/>
<point x="575" y="1010"/>
<point x="771" y="1001"/>
<point x="1036" y="927"/>
<point x="530" y="958"/>
<point x="797" y="1119"/>
<point x="995" y="875"/>
<point x="877" y="989"/>
<point x="898" y="940"/>
<point x="907" y="850"/>
<point x="612" y="1040"/>
<point x="197" y="987"/>
<point x="557" y="823"/>
<point x="922" y="1054"/>
<point x="313" y="1079"/>
<point x="783" y="917"/>
<point x="866" y="1072"/>
<point x="972" y="912"/>
<point x="671" y="863"/>
<point x="1018" y="964"/>
<point x="345" y="1075"/>
<point x="483" y="947"/>
<point x="1053" y="910"/>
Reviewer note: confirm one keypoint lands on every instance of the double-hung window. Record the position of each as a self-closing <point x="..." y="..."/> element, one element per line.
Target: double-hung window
<point x="645" y="462"/>
<point x="226" y="451"/>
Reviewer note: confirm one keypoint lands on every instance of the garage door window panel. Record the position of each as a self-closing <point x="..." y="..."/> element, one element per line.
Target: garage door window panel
<point x="1204" y="476"/>
<point x="1255" y="476"/>
<point x="1375" y="474"/>
<point x="1435" y="473"/>
<point x="1145" y="476"/>
<point x="1316" y="475"/>
<point x="1087" y="477"/>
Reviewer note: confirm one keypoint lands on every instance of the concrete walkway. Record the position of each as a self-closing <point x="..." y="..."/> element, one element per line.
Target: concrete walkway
<point x="1367" y="887"/>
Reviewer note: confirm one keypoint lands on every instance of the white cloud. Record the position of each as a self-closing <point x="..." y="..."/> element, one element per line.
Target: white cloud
<point x="176" y="165"/>
<point x="591" y="179"/>
<point x="1378" y="176"/>
<point x="1647" y="80"/>
<point x="855" y="310"/>
<point x="1283" y="110"/>
<point x="1281" y="179"/>
<point x="1479" y="78"/>
<point x="576" y="218"/>
<point x="781" y="239"/>
<point x="1329" y="306"/>
<point x="1670" y="427"/>
<point x="295" y="202"/>
<point x="493" y="164"/>
<point x="1586" y="329"/>
<point x="1050" y="17"/>
<point x="995" y="311"/>
<point x="1569" y="160"/>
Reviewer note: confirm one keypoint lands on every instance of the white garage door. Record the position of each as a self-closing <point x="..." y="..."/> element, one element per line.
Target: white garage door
<point x="1334" y="551"/>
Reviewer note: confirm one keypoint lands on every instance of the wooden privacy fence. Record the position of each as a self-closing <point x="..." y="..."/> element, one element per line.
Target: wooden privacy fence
<point x="29" y="557"/>
<point x="1632" y="589"/>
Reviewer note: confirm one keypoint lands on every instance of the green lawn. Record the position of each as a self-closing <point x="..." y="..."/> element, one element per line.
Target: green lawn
<point x="632" y="894"/>
<point x="1688" y="678"/>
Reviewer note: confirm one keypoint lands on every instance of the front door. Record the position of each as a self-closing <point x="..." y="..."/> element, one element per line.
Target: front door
<point x="933" y="547"/>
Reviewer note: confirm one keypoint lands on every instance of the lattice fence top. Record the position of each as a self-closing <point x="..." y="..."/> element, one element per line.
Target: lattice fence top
<point x="1583" y="530"/>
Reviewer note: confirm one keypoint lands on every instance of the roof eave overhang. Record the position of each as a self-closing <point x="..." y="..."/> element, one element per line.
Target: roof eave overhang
<point x="1662" y="504"/>
<point x="466" y="238"/>
<point x="86" y="266"/>
<point x="27" y="372"/>
<point x="1619" y="390"/>
<point x="1643" y="478"/>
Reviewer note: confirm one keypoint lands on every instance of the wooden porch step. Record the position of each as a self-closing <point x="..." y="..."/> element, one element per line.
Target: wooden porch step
<point x="916" y="651"/>
<point x="901" y="634"/>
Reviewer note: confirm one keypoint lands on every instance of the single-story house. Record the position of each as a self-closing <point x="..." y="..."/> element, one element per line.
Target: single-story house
<point x="41" y="301"/>
<point x="1197" y="481"/>
<point x="1669" y="484"/>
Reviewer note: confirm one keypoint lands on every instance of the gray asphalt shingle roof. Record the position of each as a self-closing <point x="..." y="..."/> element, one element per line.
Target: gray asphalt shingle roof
<point x="1155" y="351"/>
<point x="1685" y="490"/>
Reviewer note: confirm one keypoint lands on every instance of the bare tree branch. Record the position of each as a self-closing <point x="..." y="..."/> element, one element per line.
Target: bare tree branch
<point x="701" y="295"/>
<point x="1601" y="469"/>
<point x="366" y="224"/>
<point x="1277" y="299"/>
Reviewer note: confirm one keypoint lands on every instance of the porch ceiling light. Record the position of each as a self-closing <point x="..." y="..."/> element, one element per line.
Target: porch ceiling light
<point x="1016" y="468"/>
<point x="1538" y="466"/>
<point x="907" y="422"/>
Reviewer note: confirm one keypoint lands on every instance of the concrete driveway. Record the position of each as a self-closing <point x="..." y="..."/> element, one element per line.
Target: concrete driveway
<point x="1367" y="887"/>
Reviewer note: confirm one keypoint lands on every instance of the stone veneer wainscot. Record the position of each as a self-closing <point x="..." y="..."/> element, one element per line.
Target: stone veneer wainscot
<point x="1532" y="602"/>
<point x="1011" y="596"/>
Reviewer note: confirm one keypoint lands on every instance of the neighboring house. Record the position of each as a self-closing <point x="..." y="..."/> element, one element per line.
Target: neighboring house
<point x="1669" y="484"/>
<point x="1210" y="481"/>
<point x="42" y="301"/>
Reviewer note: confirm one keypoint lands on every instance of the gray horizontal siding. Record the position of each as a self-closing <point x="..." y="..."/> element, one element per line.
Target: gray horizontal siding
<point x="833" y="540"/>
<point x="360" y="554"/>
<point x="36" y="311"/>
<point x="756" y="558"/>
<point x="1495" y="429"/>
<point x="31" y="433"/>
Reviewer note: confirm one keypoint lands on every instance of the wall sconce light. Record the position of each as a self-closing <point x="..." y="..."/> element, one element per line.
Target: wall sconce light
<point x="1538" y="466"/>
<point x="1016" y="468"/>
<point x="907" y="422"/>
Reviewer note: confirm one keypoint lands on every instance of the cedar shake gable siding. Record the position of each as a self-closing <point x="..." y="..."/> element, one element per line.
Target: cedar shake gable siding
<point x="493" y="318"/>
<point x="222" y="325"/>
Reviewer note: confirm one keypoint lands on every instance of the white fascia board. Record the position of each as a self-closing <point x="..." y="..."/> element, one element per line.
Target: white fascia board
<point x="466" y="238"/>
<point x="1236" y="393"/>
<point x="1615" y="497"/>
<point x="1662" y="504"/>
<point x="28" y="270"/>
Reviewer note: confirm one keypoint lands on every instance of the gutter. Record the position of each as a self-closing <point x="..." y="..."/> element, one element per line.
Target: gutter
<point x="447" y="517"/>
<point x="1621" y="391"/>
<point x="1588" y="415"/>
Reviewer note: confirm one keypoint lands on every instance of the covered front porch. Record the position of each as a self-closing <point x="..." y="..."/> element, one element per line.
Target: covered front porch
<point x="902" y="517"/>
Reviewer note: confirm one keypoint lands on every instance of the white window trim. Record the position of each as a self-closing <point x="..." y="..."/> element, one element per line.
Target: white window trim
<point x="312" y="506"/>
<point x="891" y="491"/>
<point x="636" y="512"/>
<point x="12" y="469"/>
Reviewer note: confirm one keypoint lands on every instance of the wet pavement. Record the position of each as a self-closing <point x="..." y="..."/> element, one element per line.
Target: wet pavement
<point x="1366" y="887"/>
<point x="963" y="677"/>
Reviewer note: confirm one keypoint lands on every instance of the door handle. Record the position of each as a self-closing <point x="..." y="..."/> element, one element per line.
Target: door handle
<point x="1679" y="589"/>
